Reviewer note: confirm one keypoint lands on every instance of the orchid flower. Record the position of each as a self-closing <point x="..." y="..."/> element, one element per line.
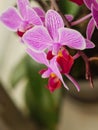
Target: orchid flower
<point x="52" y="72"/>
<point x="93" y="6"/>
<point x="22" y="19"/>
<point x="53" y="36"/>
<point x="62" y="63"/>
<point x="65" y="62"/>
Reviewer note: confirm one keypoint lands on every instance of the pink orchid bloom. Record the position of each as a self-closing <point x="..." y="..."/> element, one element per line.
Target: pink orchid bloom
<point x="79" y="2"/>
<point x="93" y="6"/>
<point x="62" y="63"/>
<point x="22" y="19"/>
<point x="52" y="72"/>
<point x="53" y="36"/>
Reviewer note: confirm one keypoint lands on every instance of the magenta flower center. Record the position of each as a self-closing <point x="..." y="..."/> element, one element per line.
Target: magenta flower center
<point x="53" y="82"/>
<point x="65" y="60"/>
<point x="50" y="55"/>
<point x="24" y="27"/>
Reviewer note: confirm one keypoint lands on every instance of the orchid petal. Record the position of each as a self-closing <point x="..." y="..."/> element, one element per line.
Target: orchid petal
<point x="47" y="73"/>
<point x="73" y="81"/>
<point x="56" y="48"/>
<point x="53" y="22"/>
<point x="22" y="7"/>
<point x="32" y="17"/>
<point x="37" y="38"/>
<point x="11" y="19"/>
<point x="95" y="15"/>
<point x="90" y="29"/>
<point x="71" y="38"/>
<point x="89" y="44"/>
<point x="95" y="4"/>
<point x="38" y="57"/>
<point x="40" y="13"/>
<point x="88" y="3"/>
<point x="69" y="17"/>
<point x="54" y="68"/>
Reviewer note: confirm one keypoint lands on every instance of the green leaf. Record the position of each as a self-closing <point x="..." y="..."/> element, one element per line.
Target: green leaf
<point x="68" y="7"/>
<point x="43" y="105"/>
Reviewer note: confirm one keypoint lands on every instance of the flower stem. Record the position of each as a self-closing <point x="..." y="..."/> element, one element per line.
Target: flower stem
<point x="93" y="59"/>
<point x="81" y="19"/>
<point x="77" y="55"/>
<point x="88" y="72"/>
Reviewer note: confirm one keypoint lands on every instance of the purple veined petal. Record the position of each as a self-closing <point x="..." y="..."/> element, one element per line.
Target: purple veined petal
<point x="71" y="38"/>
<point x="89" y="44"/>
<point x="53" y="22"/>
<point x="38" y="57"/>
<point x="88" y="3"/>
<point x="69" y="17"/>
<point x="73" y="81"/>
<point x="47" y="73"/>
<point x="54" y="68"/>
<point x="95" y="15"/>
<point x="40" y="13"/>
<point x="11" y="18"/>
<point x="95" y="4"/>
<point x="90" y="28"/>
<point x="37" y="38"/>
<point x="32" y="17"/>
<point x="22" y="7"/>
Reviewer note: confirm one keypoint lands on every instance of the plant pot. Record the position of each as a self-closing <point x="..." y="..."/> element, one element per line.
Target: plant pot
<point x="86" y="92"/>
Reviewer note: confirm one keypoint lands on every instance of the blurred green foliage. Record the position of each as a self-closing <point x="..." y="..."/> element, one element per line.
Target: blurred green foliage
<point x="43" y="106"/>
<point x="68" y="7"/>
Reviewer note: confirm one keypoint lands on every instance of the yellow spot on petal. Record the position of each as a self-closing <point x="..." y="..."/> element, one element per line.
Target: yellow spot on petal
<point x="53" y="75"/>
<point x="60" y="53"/>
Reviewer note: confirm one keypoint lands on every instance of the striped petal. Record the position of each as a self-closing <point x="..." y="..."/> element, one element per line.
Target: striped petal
<point x="90" y="28"/>
<point x="11" y="19"/>
<point x="40" y="13"/>
<point x="32" y="17"/>
<point x="71" y="38"/>
<point x="89" y="44"/>
<point x="38" y="57"/>
<point x="38" y="38"/>
<point x="88" y="3"/>
<point x="53" y="22"/>
<point x="22" y="7"/>
<point x="95" y="15"/>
